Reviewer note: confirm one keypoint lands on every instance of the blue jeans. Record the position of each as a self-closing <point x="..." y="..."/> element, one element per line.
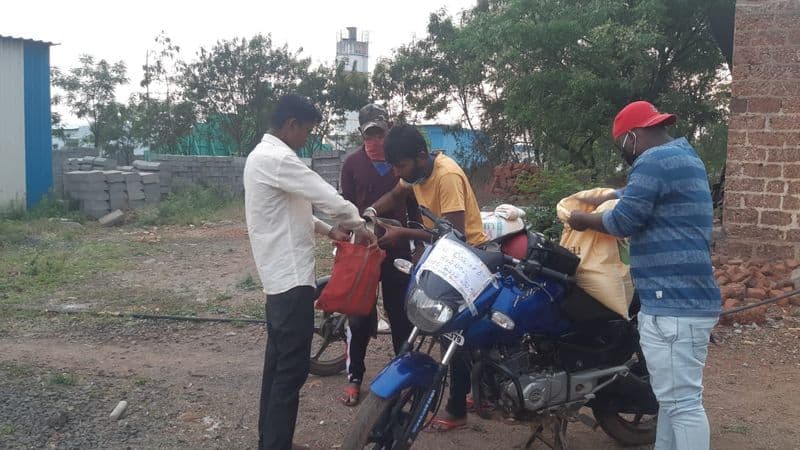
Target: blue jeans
<point x="675" y="349"/>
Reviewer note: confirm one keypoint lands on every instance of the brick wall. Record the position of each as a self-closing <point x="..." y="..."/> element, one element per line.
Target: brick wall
<point x="762" y="191"/>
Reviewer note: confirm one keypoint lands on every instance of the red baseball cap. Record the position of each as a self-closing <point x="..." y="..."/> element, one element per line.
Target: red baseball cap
<point x="640" y="114"/>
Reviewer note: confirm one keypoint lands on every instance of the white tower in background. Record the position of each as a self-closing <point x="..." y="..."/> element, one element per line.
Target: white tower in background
<point x="353" y="50"/>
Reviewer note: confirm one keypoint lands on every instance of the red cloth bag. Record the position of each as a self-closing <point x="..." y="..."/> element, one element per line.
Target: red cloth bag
<point x="353" y="287"/>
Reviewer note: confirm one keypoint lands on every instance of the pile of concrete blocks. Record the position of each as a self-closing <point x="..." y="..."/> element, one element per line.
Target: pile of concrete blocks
<point x="100" y="192"/>
<point x="88" y="163"/>
<point x="135" y="190"/>
<point x="90" y="189"/>
<point x="117" y="191"/>
<point x="154" y="174"/>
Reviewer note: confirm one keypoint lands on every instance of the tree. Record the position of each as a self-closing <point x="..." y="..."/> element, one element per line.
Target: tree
<point x="90" y="92"/>
<point x="552" y="73"/>
<point x="240" y="80"/>
<point x="335" y="91"/>
<point x="161" y="114"/>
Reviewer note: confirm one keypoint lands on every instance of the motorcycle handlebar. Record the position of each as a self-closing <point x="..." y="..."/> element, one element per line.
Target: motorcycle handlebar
<point x="538" y="268"/>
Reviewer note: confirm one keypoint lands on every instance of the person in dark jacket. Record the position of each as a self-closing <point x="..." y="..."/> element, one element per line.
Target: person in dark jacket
<point x="365" y="177"/>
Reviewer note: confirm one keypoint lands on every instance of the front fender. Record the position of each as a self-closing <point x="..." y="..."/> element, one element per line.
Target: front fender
<point x="411" y="369"/>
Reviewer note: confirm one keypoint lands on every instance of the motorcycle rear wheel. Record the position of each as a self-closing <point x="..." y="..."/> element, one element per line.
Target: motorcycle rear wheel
<point x="627" y="429"/>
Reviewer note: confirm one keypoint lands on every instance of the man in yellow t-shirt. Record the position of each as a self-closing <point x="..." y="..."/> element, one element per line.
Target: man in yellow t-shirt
<point x="439" y="184"/>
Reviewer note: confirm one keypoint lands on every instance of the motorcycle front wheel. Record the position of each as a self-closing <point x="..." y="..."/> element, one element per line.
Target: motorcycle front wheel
<point x="385" y="423"/>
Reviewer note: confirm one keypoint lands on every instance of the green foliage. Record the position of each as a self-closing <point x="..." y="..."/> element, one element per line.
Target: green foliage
<point x="552" y="74"/>
<point x="90" y="92"/>
<point x="189" y="207"/>
<point x="544" y="189"/>
<point x="161" y="114"/>
<point x="62" y="379"/>
<point x="7" y="429"/>
<point x="49" y="206"/>
<point x="46" y="264"/>
<point x="248" y="283"/>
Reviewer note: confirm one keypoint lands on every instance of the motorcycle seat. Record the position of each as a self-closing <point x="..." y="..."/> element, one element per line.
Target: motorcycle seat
<point x="581" y="308"/>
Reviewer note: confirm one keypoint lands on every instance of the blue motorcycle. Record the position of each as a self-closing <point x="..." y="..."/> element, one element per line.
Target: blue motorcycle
<point x="539" y="348"/>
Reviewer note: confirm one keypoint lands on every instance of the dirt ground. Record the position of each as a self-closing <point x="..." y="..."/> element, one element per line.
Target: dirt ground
<point x="196" y="385"/>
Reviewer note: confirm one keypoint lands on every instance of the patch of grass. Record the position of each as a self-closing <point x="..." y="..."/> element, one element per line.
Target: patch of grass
<point x="248" y="283"/>
<point x="49" y="206"/>
<point x="182" y="313"/>
<point x="139" y="381"/>
<point x="738" y="428"/>
<point x="29" y="271"/>
<point x="62" y="379"/>
<point x="7" y="429"/>
<point x="237" y="323"/>
<point x="254" y="310"/>
<point x="190" y="207"/>
<point x="222" y="296"/>
<point x="15" y="370"/>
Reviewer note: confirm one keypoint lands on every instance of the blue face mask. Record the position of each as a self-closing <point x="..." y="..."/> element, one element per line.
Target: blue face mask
<point x="382" y="167"/>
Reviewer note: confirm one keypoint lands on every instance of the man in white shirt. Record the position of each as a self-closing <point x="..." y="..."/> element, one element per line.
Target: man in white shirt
<point x="280" y="191"/>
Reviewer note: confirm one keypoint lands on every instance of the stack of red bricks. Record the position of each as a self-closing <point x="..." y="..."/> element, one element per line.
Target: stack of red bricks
<point x="762" y="188"/>
<point x="504" y="179"/>
<point x="748" y="282"/>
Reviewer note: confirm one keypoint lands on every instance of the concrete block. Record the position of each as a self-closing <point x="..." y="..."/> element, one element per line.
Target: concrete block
<point x="134" y="186"/>
<point x="113" y="218"/>
<point x="144" y="165"/>
<point x="125" y="168"/>
<point x="118" y="204"/>
<point x="117" y="187"/>
<point x="136" y="204"/>
<point x="105" y="162"/>
<point x="136" y="195"/>
<point x="92" y="196"/>
<point x="149" y="178"/>
<point x="114" y="176"/>
<point x="132" y="176"/>
<point x="85" y="175"/>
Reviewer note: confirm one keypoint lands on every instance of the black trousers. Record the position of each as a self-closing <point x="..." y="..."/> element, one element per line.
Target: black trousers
<point x="361" y="328"/>
<point x="460" y="385"/>
<point x="290" y="329"/>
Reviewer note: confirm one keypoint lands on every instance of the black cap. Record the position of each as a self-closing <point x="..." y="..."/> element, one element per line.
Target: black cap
<point x="373" y="115"/>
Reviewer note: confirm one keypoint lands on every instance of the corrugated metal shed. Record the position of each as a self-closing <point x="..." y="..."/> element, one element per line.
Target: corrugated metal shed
<point x="38" y="134"/>
<point x="25" y="135"/>
<point x="12" y="123"/>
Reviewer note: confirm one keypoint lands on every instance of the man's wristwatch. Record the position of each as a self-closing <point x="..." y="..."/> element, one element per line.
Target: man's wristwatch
<point x="371" y="212"/>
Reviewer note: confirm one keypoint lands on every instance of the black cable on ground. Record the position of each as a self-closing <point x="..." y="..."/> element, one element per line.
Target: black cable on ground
<point x="761" y="303"/>
<point x="161" y="317"/>
<point x="261" y="321"/>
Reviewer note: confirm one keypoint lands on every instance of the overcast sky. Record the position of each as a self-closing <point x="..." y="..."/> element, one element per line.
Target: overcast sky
<point x="115" y="30"/>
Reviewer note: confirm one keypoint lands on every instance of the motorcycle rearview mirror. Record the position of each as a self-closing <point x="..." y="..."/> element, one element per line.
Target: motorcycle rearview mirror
<point x="403" y="265"/>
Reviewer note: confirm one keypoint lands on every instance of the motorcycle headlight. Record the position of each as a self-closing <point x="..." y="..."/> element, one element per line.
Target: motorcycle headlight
<point x="426" y="313"/>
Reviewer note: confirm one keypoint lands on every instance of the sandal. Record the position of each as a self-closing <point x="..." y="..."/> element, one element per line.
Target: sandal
<point x="442" y="424"/>
<point x="351" y="395"/>
<point x="485" y="405"/>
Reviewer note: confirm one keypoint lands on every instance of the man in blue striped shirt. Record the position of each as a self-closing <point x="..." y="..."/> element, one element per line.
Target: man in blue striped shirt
<point x="667" y="212"/>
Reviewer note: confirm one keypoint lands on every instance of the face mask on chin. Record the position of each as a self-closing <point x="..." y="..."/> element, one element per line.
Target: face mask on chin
<point x="420" y="173"/>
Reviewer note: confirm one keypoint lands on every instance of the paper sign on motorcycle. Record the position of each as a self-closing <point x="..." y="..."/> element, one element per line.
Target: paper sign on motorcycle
<point x="460" y="268"/>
